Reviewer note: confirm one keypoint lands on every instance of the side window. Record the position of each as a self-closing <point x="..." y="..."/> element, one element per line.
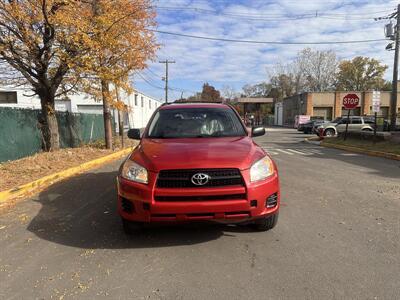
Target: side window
<point x="356" y="121"/>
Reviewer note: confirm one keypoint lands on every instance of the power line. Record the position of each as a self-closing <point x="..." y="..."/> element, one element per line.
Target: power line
<point x="276" y="17"/>
<point x="265" y="42"/>
<point x="148" y="82"/>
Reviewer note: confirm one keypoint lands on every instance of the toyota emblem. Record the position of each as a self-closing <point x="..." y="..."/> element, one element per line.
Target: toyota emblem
<point x="200" y="179"/>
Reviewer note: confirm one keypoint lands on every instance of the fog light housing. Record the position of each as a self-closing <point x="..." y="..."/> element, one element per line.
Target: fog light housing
<point x="272" y="201"/>
<point x="127" y="206"/>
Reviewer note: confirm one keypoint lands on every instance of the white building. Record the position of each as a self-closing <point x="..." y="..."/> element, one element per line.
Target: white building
<point x="140" y="106"/>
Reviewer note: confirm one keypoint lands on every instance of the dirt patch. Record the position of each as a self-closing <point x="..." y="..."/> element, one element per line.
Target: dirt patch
<point x="22" y="171"/>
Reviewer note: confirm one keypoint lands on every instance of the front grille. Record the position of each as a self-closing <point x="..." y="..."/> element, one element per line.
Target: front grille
<point x="182" y="178"/>
<point x="199" y="198"/>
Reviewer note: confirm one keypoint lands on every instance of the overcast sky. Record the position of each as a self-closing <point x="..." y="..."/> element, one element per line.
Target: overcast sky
<point x="235" y="64"/>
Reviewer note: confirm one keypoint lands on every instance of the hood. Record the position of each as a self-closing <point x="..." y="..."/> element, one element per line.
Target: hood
<point x="328" y="124"/>
<point x="197" y="153"/>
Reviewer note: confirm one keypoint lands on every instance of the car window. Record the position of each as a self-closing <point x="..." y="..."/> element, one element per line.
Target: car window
<point x="369" y="121"/>
<point x="337" y="120"/>
<point x="195" y="122"/>
<point x="343" y="121"/>
<point x="356" y="121"/>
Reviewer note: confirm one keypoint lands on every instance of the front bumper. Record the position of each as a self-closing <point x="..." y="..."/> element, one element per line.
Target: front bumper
<point x="147" y="203"/>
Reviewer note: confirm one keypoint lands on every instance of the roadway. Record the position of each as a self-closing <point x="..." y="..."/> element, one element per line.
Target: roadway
<point x="338" y="237"/>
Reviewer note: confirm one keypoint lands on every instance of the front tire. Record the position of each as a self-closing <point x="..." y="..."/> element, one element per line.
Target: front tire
<point x="266" y="223"/>
<point x="329" y="132"/>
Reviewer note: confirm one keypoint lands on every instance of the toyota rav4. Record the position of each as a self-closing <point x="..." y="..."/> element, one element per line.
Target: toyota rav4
<point x="195" y="162"/>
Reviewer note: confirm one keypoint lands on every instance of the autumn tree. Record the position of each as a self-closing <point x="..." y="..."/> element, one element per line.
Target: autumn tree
<point x="119" y="43"/>
<point x="209" y="93"/>
<point x="361" y="74"/>
<point x="39" y="42"/>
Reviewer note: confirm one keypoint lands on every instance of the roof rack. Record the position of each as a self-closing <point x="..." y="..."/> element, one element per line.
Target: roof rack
<point x="200" y="101"/>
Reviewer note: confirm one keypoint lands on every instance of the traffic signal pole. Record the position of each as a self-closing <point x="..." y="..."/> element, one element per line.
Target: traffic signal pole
<point x="393" y="100"/>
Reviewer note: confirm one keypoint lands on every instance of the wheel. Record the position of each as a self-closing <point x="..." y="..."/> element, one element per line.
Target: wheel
<point x="267" y="223"/>
<point x="131" y="227"/>
<point x="329" y="132"/>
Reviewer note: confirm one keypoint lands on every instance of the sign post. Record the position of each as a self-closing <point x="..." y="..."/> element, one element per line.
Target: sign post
<point x="376" y="107"/>
<point x="350" y="102"/>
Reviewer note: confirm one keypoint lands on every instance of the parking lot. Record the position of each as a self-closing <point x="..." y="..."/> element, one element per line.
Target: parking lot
<point x="337" y="237"/>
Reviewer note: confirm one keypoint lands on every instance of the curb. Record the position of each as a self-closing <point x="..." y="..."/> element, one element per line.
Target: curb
<point x="44" y="182"/>
<point x="363" y="151"/>
<point x="310" y="141"/>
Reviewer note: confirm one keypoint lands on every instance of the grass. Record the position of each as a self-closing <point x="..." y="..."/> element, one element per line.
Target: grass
<point x="384" y="146"/>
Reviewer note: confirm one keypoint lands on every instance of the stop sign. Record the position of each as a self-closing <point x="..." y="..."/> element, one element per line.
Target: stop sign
<point x="351" y="101"/>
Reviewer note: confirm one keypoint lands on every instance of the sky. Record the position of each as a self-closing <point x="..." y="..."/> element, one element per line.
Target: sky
<point x="236" y="64"/>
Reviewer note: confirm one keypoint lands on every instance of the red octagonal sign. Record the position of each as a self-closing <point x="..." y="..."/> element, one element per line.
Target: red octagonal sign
<point x="351" y="101"/>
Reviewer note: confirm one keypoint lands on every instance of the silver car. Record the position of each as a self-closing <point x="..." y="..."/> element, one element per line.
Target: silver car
<point x="338" y="125"/>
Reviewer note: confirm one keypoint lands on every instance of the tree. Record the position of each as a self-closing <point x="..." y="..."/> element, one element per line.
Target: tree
<point x="258" y="90"/>
<point x="361" y="74"/>
<point x="229" y="92"/>
<point x="210" y="94"/>
<point x="318" y="69"/>
<point x="39" y="42"/>
<point x="310" y="71"/>
<point x="118" y="43"/>
<point x="387" y="86"/>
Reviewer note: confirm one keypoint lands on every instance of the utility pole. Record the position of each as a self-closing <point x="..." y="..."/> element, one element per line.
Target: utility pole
<point x="166" y="62"/>
<point x="393" y="100"/>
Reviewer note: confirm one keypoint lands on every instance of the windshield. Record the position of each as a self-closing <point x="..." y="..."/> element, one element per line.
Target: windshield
<point x="195" y="122"/>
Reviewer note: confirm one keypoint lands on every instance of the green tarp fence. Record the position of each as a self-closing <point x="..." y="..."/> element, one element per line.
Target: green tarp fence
<point x="20" y="135"/>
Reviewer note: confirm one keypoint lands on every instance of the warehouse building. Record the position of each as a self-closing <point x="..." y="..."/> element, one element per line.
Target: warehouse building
<point x="140" y="107"/>
<point x="328" y="105"/>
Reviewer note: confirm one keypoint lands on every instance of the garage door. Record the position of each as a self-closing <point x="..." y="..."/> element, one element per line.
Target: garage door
<point x="323" y="112"/>
<point x="90" y="109"/>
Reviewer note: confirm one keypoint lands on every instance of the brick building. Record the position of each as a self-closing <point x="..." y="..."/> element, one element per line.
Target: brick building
<point x="328" y="105"/>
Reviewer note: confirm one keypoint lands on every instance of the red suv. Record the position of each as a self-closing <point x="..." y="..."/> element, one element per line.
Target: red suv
<point x="197" y="161"/>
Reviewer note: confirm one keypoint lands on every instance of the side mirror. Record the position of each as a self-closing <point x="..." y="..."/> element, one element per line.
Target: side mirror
<point x="134" y="134"/>
<point x="257" y="131"/>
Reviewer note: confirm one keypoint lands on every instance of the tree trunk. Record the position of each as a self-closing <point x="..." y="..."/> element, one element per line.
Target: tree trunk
<point x="49" y="124"/>
<point x="106" y="114"/>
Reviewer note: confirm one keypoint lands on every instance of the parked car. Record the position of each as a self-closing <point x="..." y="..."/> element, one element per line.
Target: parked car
<point x="355" y="123"/>
<point x="310" y="126"/>
<point x="198" y="162"/>
<point x="299" y="120"/>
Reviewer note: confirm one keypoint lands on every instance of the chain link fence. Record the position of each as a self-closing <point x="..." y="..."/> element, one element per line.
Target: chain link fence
<point x="20" y="134"/>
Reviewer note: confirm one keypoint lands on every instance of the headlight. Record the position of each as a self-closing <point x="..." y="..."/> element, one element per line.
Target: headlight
<point x="261" y="169"/>
<point x="135" y="172"/>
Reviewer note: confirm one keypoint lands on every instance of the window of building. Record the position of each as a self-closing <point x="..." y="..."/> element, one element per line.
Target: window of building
<point x="8" y="97"/>
<point x="136" y="96"/>
<point x="149" y="103"/>
<point x="142" y="101"/>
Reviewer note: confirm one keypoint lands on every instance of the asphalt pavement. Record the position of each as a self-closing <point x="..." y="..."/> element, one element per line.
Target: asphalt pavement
<point x="338" y="237"/>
